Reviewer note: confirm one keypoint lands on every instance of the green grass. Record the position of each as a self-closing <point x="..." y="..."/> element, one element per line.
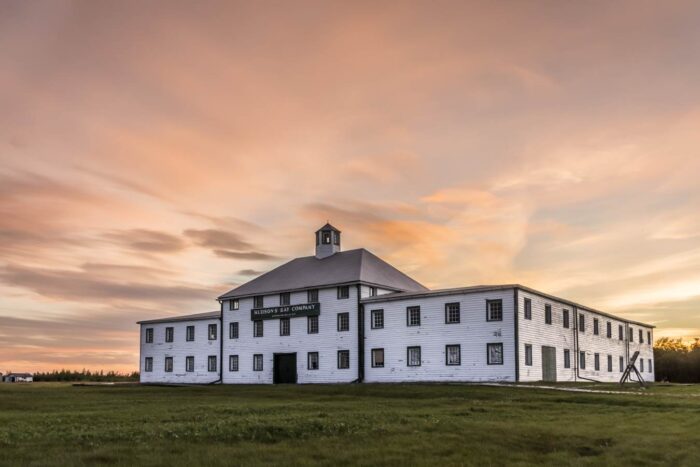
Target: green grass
<point x="58" y="424"/>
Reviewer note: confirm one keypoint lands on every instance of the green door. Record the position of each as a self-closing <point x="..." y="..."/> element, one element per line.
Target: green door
<point x="549" y="364"/>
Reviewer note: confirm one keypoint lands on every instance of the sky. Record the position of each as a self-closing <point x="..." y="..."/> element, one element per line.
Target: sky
<point x="154" y="155"/>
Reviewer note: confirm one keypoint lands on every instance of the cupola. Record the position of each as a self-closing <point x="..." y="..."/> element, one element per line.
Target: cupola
<point x="327" y="241"/>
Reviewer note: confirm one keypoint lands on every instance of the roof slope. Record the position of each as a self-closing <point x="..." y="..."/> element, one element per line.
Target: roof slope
<point x="348" y="266"/>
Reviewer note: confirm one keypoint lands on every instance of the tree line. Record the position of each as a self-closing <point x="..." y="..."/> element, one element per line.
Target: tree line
<point x="86" y="375"/>
<point x="677" y="361"/>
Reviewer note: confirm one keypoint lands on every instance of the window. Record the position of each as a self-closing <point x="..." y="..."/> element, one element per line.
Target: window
<point x="312" y="295"/>
<point x="596" y="362"/>
<point x="258" y="328"/>
<point x="649" y="338"/>
<point x="312" y="324"/>
<point x="650" y="370"/>
<point x="528" y="308"/>
<point x="326" y="236"/>
<point x="258" y="362"/>
<point x="336" y="238"/>
<point x="189" y="334"/>
<point x="565" y="318"/>
<point x="372" y="291"/>
<point x="641" y="337"/>
<point x="528" y="355"/>
<point x="620" y="332"/>
<point x="581" y="323"/>
<point x="610" y="363"/>
<point x="631" y="335"/>
<point x="582" y="360"/>
<point x="285" y="298"/>
<point x="413" y="316"/>
<point x="453" y="355"/>
<point x="233" y="330"/>
<point x="548" y="314"/>
<point x="148" y="364"/>
<point x="212" y="332"/>
<point x="149" y="335"/>
<point x="233" y="304"/>
<point x="494" y="310"/>
<point x="377" y="358"/>
<point x="189" y="364"/>
<point x="622" y="364"/>
<point x="494" y="354"/>
<point x="343" y="322"/>
<point x="284" y="326"/>
<point x="608" y="330"/>
<point x="452" y="313"/>
<point x="641" y="365"/>
<point x="169" y="334"/>
<point x="596" y="330"/>
<point x="343" y="359"/>
<point x="211" y="363"/>
<point x="343" y="292"/>
<point x="258" y="301"/>
<point x="413" y="356"/>
<point x="377" y="319"/>
<point x="567" y="358"/>
<point x="312" y="360"/>
<point x="233" y="363"/>
<point x="168" y="364"/>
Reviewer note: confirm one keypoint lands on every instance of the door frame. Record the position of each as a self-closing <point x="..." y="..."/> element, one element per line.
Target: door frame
<point x="553" y="351"/>
<point x="275" y="367"/>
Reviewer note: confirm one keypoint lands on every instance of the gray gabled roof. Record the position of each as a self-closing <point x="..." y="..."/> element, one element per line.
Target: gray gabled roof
<point x="328" y="227"/>
<point x="196" y="316"/>
<point x="341" y="268"/>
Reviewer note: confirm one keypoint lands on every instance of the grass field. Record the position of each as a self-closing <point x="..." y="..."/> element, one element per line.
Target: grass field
<point x="58" y="424"/>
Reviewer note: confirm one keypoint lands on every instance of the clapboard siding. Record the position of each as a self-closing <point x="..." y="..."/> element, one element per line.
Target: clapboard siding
<point x="200" y="348"/>
<point x="472" y="333"/>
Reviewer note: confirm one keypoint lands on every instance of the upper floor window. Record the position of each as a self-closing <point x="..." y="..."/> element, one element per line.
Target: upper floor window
<point x="233" y="330"/>
<point x="284" y="326"/>
<point x="377" y="319"/>
<point x="189" y="334"/>
<point x="233" y="304"/>
<point x="620" y="332"/>
<point x="565" y="318"/>
<point x="528" y="354"/>
<point x="528" y="308"/>
<point x="452" y="313"/>
<point x="494" y="354"/>
<point x="413" y="357"/>
<point x="596" y="331"/>
<point x="312" y="296"/>
<point x="377" y="358"/>
<point x="453" y="355"/>
<point x="494" y="310"/>
<point x="631" y="335"/>
<point x="608" y="330"/>
<point x="413" y="316"/>
<point x="336" y="238"/>
<point x="548" y="314"/>
<point x="581" y="323"/>
<point x="258" y="328"/>
<point x="169" y="334"/>
<point x="148" y="364"/>
<point x="258" y="301"/>
<point x="168" y="364"/>
<point x="641" y="337"/>
<point x="212" y="332"/>
<point x="649" y="337"/>
<point x="312" y="324"/>
<point x="343" y="322"/>
<point x="372" y="291"/>
<point x="149" y="335"/>
<point x="285" y="298"/>
<point x="343" y="292"/>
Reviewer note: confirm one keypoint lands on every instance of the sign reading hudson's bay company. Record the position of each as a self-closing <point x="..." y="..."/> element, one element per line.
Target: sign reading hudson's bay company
<point x="288" y="311"/>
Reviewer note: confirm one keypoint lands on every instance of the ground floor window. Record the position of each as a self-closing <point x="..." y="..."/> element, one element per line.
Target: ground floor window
<point x="453" y="354"/>
<point x="168" y="364"/>
<point x="377" y="358"/>
<point x="343" y="359"/>
<point x="258" y="362"/>
<point x="148" y="364"/>
<point x="413" y="357"/>
<point x="494" y="354"/>
<point x="610" y="363"/>
<point x="582" y="360"/>
<point x="233" y="363"/>
<point x="212" y="363"/>
<point x="650" y="370"/>
<point x="622" y="364"/>
<point x="313" y="360"/>
<point x="641" y="365"/>
<point x="596" y="361"/>
<point x="528" y="355"/>
<point x="189" y="364"/>
<point x="567" y="358"/>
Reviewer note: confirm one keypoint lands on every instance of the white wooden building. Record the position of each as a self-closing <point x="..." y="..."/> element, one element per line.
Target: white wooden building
<point x="18" y="378"/>
<point x="340" y="317"/>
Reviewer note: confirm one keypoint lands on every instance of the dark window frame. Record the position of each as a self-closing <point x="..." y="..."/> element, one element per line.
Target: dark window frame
<point x="149" y="335"/>
<point x="258" y="357"/>
<point x="581" y="322"/>
<point x="233" y="330"/>
<point x="233" y="304"/>
<point x="489" y="345"/>
<point x="343" y="292"/>
<point x="165" y="364"/>
<point x="285" y="298"/>
<point x="582" y="360"/>
<point x="373" y="321"/>
<point x="447" y="354"/>
<point x="212" y="363"/>
<point x="231" y="360"/>
<point x="309" y="327"/>
<point x="610" y="363"/>
<point x="212" y="335"/>
<point x="285" y="327"/>
<point x="566" y="323"/>
<point x="567" y="358"/>
<point x="259" y="301"/>
<point x="308" y="361"/>
<point x="548" y="314"/>
<point x="596" y="327"/>
<point x="343" y="326"/>
<point x="341" y="355"/>
<point x="621" y="361"/>
<point x="448" y="319"/>
<point x="374" y="360"/>
<point x="188" y="359"/>
<point x="528" y="354"/>
<point x="189" y="333"/>
<point x="527" y="309"/>
<point x="620" y="332"/>
<point x="596" y="362"/>
<point x="312" y="296"/>
<point x="148" y="364"/>
<point x="409" y="310"/>
<point x="170" y="334"/>
<point x="408" y="355"/>
<point x="258" y="328"/>
<point x="489" y="302"/>
<point x="608" y="330"/>
<point x="372" y="291"/>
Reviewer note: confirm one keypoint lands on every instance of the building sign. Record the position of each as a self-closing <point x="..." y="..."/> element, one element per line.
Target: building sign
<point x="289" y="311"/>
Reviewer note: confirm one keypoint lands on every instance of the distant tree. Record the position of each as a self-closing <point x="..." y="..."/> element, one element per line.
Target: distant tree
<point x="676" y="361"/>
<point x="86" y="375"/>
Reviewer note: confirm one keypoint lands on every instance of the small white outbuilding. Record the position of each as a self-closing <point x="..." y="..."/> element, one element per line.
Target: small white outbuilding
<point x="18" y="378"/>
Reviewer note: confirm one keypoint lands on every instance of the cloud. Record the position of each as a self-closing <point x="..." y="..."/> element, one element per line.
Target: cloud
<point x="245" y="255"/>
<point x="220" y="239"/>
<point x="145" y="240"/>
<point x="249" y="272"/>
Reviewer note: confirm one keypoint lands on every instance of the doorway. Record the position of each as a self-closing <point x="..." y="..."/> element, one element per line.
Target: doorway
<point x="549" y="364"/>
<point x="285" y="368"/>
